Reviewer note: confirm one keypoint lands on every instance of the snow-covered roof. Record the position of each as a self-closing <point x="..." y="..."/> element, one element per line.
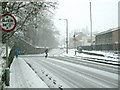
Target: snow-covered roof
<point x="110" y="30"/>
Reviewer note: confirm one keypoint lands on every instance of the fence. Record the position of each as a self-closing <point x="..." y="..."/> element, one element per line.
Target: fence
<point x="103" y="47"/>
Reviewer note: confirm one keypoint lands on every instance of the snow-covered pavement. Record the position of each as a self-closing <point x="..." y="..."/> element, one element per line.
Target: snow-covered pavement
<point x="22" y="76"/>
<point x="107" y="58"/>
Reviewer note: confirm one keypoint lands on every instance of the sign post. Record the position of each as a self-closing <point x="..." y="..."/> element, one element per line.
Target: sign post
<point x="7" y="24"/>
<point x="74" y="39"/>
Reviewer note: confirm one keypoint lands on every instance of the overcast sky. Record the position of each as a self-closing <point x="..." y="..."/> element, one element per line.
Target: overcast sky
<point x="104" y="15"/>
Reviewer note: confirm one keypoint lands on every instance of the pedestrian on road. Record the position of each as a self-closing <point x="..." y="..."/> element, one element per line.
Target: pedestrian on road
<point x="46" y="52"/>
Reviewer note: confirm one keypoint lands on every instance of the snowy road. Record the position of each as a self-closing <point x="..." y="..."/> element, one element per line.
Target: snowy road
<point x="81" y="61"/>
<point x="70" y="74"/>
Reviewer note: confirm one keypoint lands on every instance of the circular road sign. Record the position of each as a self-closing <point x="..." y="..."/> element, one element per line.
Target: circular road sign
<point x="7" y="22"/>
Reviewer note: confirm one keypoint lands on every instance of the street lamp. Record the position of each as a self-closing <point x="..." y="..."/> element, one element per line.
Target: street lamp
<point x="66" y="34"/>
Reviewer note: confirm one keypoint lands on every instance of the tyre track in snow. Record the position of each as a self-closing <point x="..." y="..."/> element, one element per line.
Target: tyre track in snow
<point x="67" y="74"/>
<point x="88" y="63"/>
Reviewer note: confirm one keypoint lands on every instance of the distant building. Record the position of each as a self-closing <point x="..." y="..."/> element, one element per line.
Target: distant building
<point x="81" y="40"/>
<point x="108" y="39"/>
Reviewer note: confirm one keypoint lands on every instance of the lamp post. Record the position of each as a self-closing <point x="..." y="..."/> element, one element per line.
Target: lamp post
<point x="66" y="20"/>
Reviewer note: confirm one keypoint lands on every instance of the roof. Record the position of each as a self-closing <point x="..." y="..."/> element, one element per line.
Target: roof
<point x="108" y="31"/>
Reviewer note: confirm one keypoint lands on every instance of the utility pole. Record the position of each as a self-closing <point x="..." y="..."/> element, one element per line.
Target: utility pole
<point x="91" y="23"/>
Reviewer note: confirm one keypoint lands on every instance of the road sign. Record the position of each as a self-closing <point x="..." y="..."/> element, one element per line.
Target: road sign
<point x="7" y="22"/>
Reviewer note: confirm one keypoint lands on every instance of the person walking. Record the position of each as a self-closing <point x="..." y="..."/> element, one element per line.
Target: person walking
<point x="16" y="53"/>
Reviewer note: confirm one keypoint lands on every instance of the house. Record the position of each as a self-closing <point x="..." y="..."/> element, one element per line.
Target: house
<point x="80" y="39"/>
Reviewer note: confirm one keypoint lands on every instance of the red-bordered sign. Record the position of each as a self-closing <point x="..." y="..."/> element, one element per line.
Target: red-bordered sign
<point x="7" y="22"/>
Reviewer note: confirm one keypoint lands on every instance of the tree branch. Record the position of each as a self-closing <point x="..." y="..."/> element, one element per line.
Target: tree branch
<point x="21" y="25"/>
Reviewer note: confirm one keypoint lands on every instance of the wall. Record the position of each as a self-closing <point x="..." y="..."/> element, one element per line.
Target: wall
<point x="26" y="47"/>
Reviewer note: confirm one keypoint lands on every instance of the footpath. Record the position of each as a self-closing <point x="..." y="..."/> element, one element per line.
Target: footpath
<point x="22" y="76"/>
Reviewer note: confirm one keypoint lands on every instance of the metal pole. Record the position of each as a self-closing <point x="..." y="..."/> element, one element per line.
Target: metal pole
<point x="75" y="47"/>
<point x="74" y="38"/>
<point x="66" y="36"/>
<point x="7" y="73"/>
<point x="91" y="21"/>
<point x="6" y="53"/>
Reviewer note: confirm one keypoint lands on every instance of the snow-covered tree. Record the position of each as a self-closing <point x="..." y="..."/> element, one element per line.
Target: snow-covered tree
<point x="33" y="18"/>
